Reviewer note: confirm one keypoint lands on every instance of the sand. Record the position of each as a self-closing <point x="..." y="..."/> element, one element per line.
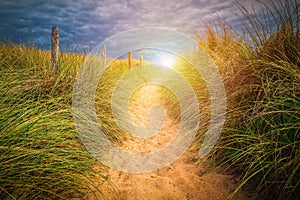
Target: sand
<point x="187" y="178"/>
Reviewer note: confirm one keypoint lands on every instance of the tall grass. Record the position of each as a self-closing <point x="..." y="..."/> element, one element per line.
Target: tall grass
<point x="260" y="69"/>
<point x="41" y="155"/>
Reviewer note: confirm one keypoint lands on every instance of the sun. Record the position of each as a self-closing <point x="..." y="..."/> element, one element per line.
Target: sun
<point x="166" y="59"/>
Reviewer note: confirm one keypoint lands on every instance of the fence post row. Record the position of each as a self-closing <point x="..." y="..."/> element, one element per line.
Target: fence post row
<point x="55" y="53"/>
<point x="54" y="50"/>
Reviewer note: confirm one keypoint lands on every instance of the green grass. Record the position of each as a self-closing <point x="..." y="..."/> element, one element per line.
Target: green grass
<point x="41" y="154"/>
<point x="261" y="73"/>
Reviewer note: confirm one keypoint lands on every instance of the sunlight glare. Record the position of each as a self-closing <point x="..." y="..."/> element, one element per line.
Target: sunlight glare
<point x="166" y="60"/>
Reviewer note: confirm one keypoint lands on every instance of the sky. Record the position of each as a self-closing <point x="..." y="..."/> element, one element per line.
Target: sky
<point x="83" y="24"/>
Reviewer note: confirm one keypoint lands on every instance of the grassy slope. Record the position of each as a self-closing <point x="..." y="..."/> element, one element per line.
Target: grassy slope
<point x="261" y="73"/>
<point x="41" y="156"/>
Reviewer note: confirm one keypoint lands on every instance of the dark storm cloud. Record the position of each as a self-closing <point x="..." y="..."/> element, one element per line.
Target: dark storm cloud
<point x="86" y="23"/>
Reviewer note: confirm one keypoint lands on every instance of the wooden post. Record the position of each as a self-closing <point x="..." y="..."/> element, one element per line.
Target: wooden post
<point x="130" y="59"/>
<point x="141" y="59"/>
<point x="54" y="50"/>
<point x="104" y="54"/>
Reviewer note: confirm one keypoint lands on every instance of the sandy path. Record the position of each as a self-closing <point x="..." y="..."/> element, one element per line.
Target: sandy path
<point x="186" y="178"/>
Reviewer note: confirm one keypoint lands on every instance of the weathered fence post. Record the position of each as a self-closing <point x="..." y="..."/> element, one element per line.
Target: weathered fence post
<point x="141" y="59"/>
<point x="130" y="59"/>
<point x="104" y="54"/>
<point x="54" y="50"/>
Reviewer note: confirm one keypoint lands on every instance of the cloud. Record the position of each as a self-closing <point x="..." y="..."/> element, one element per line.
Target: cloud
<point x="89" y="22"/>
